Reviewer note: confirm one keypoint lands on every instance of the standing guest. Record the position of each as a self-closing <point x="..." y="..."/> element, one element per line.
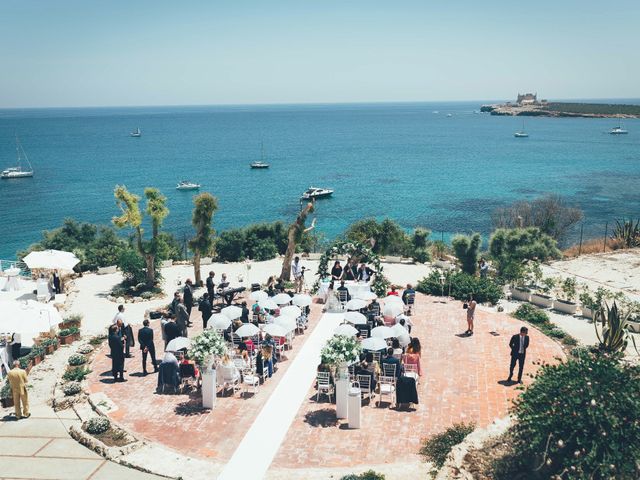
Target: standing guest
<point x="364" y="273"/>
<point x="342" y="288"/>
<point x="182" y="318"/>
<point x="336" y="271"/>
<point x="408" y="293"/>
<point x="17" y="379"/>
<point x="483" y="266"/>
<point x="119" y="316"/>
<point x="518" y="345"/>
<point x="16" y="345"/>
<point x="244" y="316"/>
<point x="145" y="339"/>
<point x="163" y="329"/>
<point x="171" y="331"/>
<point x="187" y="298"/>
<point x="471" y="313"/>
<point x="350" y="271"/>
<point x="393" y="291"/>
<point x="117" y="353"/>
<point x="297" y="271"/>
<point x="124" y="330"/>
<point x="173" y="308"/>
<point x="206" y="308"/>
<point x="57" y="283"/>
<point x="210" y="285"/>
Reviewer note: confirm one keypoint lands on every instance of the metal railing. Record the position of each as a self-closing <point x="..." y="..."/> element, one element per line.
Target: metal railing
<point x="7" y="264"/>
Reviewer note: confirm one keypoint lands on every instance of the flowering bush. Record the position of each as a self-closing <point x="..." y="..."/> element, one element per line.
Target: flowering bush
<point x="85" y="349"/>
<point x="72" y="388"/>
<point x="77" y="359"/>
<point x="341" y="349"/>
<point x="97" y="425"/>
<point x="206" y="346"/>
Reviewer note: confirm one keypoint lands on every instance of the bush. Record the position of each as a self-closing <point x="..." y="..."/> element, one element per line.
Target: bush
<point x="132" y="266"/>
<point x="85" y="349"/>
<point x="436" y="448"/>
<point x="422" y="255"/>
<point x="36" y="351"/>
<point x="462" y="284"/>
<point x="74" y="320"/>
<point x="389" y="237"/>
<point x="65" y="332"/>
<point x="509" y="247"/>
<point x="77" y="359"/>
<point x="368" y="475"/>
<point x="580" y="419"/>
<point x="97" y="425"/>
<point x="229" y="246"/>
<point x="24" y="362"/>
<point x="76" y="374"/>
<point x="97" y="340"/>
<point x="72" y="388"/>
<point x="466" y="250"/>
<point x="531" y="314"/>
<point x="49" y="341"/>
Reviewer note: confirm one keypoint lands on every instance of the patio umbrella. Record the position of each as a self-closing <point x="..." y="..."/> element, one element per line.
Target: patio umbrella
<point x="51" y="260"/>
<point x="247" y="330"/>
<point x="356" y="304"/>
<point x="288" y="323"/>
<point x="275" y="330"/>
<point x="364" y="295"/>
<point x="374" y="344"/>
<point x="302" y="300"/>
<point x="346" y="330"/>
<point x="267" y="304"/>
<point x="404" y="339"/>
<point x="258" y="295"/>
<point x="392" y="299"/>
<point x="291" y="311"/>
<point x="383" y="332"/>
<point x="178" y="344"/>
<point x="355" y="318"/>
<point x="219" y="321"/>
<point x="232" y="312"/>
<point x="392" y="309"/>
<point x="399" y="330"/>
<point x="282" y="299"/>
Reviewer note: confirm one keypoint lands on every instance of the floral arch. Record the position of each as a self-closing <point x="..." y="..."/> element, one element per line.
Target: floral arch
<point x="361" y="253"/>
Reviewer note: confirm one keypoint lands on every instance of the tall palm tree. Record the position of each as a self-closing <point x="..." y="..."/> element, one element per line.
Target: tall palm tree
<point x="202" y="243"/>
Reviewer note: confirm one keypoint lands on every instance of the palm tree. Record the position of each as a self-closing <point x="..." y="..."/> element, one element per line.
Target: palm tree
<point x="202" y="243"/>
<point x="296" y="230"/>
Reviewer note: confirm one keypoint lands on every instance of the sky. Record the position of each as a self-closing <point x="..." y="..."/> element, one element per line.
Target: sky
<point x="157" y="52"/>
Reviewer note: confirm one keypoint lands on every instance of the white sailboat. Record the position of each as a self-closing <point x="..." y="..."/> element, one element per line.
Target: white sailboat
<point x="17" y="171"/>
<point x="261" y="163"/>
<point x="522" y="133"/>
<point x="136" y="133"/>
<point x="618" y="130"/>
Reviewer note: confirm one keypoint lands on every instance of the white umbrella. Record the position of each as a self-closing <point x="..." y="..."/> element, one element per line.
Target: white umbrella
<point x="51" y="260"/>
<point x="291" y="311"/>
<point x="374" y="344"/>
<point x="282" y="299"/>
<point x="275" y="330"/>
<point x="404" y="339"/>
<point x="288" y="323"/>
<point x="178" y="344"/>
<point x="355" y="318"/>
<point x="364" y="295"/>
<point x="392" y="299"/>
<point x="267" y="304"/>
<point x="382" y="332"/>
<point x="356" y="304"/>
<point x="346" y="330"/>
<point x="399" y="330"/>
<point x="247" y="330"/>
<point x="232" y="312"/>
<point x="259" y="295"/>
<point x="219" y="321"/>
<point x="392" y="309"/>
<point x="302" y="300"/>
<point x="28" y="318"/>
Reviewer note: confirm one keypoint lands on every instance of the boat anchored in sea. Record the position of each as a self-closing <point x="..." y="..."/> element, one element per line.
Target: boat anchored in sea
<point x="136" y="133"/>
<point x="17" y="171"/>
<point x="618" y="130"/>
<point x="522" y="133"/>
<point x="261" y="164"/>
<point x="185" y="185"/>
<point x="316" y="192"/>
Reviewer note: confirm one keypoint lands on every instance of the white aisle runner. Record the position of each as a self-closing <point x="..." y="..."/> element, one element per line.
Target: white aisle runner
<point x="254" y="455"/>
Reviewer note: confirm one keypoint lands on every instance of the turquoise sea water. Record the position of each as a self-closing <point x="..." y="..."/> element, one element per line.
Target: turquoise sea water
<point x="396" y="160"/>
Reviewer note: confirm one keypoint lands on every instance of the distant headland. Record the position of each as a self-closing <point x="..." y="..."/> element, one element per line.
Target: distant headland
<point x="528" y="105"/>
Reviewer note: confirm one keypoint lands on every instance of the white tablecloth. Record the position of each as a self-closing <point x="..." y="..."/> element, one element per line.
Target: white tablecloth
<point x="12" y="279"/>
<point x="355" y="288"/>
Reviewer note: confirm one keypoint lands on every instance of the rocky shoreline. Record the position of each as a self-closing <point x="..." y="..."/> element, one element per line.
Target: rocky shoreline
<point x="547" y="111"/>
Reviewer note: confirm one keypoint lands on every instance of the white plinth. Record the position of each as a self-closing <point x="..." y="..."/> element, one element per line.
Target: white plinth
<point x="342" y="398"/>
<point x="209" y="388"/>
<point x="355" y="407"/>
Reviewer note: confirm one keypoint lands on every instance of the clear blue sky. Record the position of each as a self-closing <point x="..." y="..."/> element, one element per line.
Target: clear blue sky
<point x="153" y="52"/>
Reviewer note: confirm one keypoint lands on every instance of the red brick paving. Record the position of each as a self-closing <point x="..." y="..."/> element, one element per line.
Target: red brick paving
<point x="459" y="383"/>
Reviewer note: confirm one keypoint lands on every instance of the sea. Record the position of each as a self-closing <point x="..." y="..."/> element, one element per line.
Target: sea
<point x="443" y="166"/>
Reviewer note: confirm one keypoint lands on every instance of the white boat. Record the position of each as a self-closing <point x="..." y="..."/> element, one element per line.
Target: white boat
<point x="521" y="133"/>
<point x="17" y="171"/>
<point x="261" y="163"/>
<point x="618" y="130"/>
<point x="184" y="185"/>
<point x="316" y="192"/>
<point x="136" y="133"/>
<point x="449" y="114"/>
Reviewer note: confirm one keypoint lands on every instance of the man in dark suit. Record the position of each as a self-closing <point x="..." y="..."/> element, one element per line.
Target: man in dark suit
<point x="342" y="288"/>
<point x="117" y="353"/>
<point x="171" y="331"/>
<point x="182" y="318"/>
<point x="173" y="308"/>
<point x="389" y="359"/>
<point x="518" y="344"/>
<point x="210" y="285"/>
<point x="57" y="284"/>
<point x="206" y="308"/>
<point x="364" y="273"/>
<point x="187" y="297"/>
<point x="145" y="339"/>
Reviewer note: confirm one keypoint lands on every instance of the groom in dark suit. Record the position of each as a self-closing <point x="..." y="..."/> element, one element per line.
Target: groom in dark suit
<point x="518" y="344"/>
<point x="145" y="339"/>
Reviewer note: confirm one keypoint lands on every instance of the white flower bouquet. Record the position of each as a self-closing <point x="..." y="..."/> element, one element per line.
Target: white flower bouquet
<point x="341" y="349"/>
<point x="206" y="347"/>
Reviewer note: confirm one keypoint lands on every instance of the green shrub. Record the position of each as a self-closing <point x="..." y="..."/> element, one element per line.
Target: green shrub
<point x="531" y="314"/>
<point x="462" y="284"/>
<point x="77" y="359"/>
<point x="36" y="351"/>
<point x="229" y="246"/>
<point x="76" y="374"/>
<point x="388" y="236"/>
<point x="85" y="349"/>
<point x="74" y="320"/>
<point x="97" y="425"/>
<point x="71" y="388"/>
<point x="436" y="448"/>
<point x="97" y="340"/>
<point x="422" y="255"/>
<point x="511" y="246"/>
<point x="132" y="266"/>
<point x="24" y="362"/>
<point x="580" y="419"/>
<point x="65" y="332"/>
<point x="368" y="475"/>
<point x="5" y="390"/>
<point x="466" y="251"/>
<point x="49" y="341"/>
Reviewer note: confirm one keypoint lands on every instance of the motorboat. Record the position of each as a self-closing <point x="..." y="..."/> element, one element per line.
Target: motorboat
<point x="136" y="133"/>
<point x="18" y="171"/>
<point x="184" y="185"/>
<point x="260" y="164"/>
<point x="316" y="192"/>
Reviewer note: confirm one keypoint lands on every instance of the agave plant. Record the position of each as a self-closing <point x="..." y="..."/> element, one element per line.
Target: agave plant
<point x="611" y="328"/>
<point x="627" y="232"/>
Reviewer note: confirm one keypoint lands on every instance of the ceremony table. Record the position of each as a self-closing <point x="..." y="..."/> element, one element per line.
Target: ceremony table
<point x="12" y="279"/>
<point x="355" y="288"/>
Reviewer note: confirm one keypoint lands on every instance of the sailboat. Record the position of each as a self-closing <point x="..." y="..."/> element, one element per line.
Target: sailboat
<point x="618" y="130"/>
<point x="136" y="133"/>
<point x="521" y="133"/>
<point x="17" y="171"/>
<point x="261" y="163"/>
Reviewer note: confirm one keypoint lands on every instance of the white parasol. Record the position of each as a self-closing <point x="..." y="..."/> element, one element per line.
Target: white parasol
<point x="382" y="332"/>
<point x="346" y="330"/>
<point x="302" y="300"/>
<point x="366" y="295"/>
<point x="51" y="260"/>
<point x="291" y="311"/>
<point x="288" y="323"/>
<point x="232" y="312"/>
<point x="275" y="330"/>
<point x="392" y="299"/>
<point x="259" y="295"/>
<point x="356" y="304"/>
<point x="374" y="344"/>
<point x="178" y="344"/>
<point x="392" y="309"/>
<point x="355" y="318"/>
<point x="267" y="304"/>
<point x="282" y="299"/>
<point x="247" y="330"/>
<point x="219" y="321"/>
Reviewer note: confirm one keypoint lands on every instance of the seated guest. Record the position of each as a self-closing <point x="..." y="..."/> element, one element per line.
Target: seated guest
<point x="389" y="359"/>
<point x="279" y="286"/>
<point x="364" y="273"/>
<point x="392" y="291"/>
<point x="171" y="330"/>
<point x="336" y="271"/>
<point x="342" y="288"/>
<point x="244" y="317"/>
<point x="246" y="359"/>
<point x="372" y="365"/>
<point x="412" y="357"/>
<point x="415" y="347"/>
<point x="324" y="368"/>
<point x="271" y="291"/>
<point x="362" y="368"/>
<point x="405" y="322"/>
<point x="169" y="357"/>
<point x="185" y="361"/>
<point x="397" y="350"/>
<point x="264" y="359"/>
<point x="249" y="344"/>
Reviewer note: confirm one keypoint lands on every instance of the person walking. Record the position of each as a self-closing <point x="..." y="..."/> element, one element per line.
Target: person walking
<point x="206" y="308"/>
<point x="297" y="271"/>
<point x="187" y="298"/>
<point x="518" y="344"/>
<point x="57" y="283"/>
<point x="17" y="378"/>
<point x="210" y="285"/>
<point x="116" y="346"/>
<point x="182" y="318"/>
<point x="471" y="312"/>
<point x="145" y="339"/>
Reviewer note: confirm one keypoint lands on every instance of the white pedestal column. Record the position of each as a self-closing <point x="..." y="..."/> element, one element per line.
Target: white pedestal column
<point x="342" y="391"/>
<point x="209" y="388"/>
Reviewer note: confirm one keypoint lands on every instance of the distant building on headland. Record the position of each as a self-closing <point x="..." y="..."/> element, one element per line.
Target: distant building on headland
<point x="527" y="99"/>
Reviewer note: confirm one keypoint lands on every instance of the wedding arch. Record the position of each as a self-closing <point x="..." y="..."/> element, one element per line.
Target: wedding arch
<point x="359" y="252"/>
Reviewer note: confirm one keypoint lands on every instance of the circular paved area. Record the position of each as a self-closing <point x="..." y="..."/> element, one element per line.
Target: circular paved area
<point x="460" y="382"/>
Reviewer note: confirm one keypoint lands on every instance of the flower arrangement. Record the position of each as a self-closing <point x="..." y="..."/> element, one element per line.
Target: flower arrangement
<point x="341" y="349"/>
<point x="206" y="347"/>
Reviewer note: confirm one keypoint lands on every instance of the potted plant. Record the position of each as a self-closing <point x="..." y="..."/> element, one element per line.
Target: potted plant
<point x="517" y="275"/>
<point x="71" y="321"/>
<point x="68" y="335"/>
<point x="6" y="396"/>
<point x="439" y="249"/>
<point x="50" y="345"/>
<point x="566" y="304"/>
<point x="542" y="297"/>
<point x="36" y="354"/>
<point x="587" y="303"/>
